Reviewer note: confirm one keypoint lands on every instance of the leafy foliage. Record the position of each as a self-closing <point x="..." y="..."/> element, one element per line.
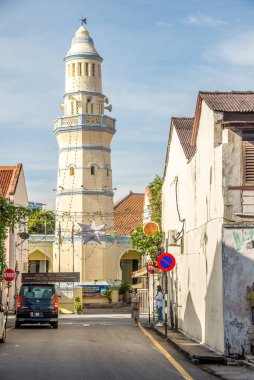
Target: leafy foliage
<point x="10" y="215"/>
<point x="77" y="304"/>
<point x="155" y="188"/>
<point x="37" y="220"/>
<point x="125" y="288"/>
<point x="150" y="245"/>
<point x="147" y="245"/>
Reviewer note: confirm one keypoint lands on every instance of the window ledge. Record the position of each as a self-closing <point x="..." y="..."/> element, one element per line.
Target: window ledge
<point x="245" y="187"/>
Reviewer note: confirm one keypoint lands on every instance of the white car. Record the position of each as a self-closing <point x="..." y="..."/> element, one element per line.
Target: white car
<point x="2" y="325"/>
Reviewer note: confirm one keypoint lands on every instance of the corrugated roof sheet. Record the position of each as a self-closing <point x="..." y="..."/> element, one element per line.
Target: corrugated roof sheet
<point x="128" y="214"/>
<point x="183" y="127"/>
<point x="234" y="101"/>
<point x="8" y="179"/>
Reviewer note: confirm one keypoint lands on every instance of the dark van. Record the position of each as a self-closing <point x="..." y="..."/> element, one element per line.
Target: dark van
<point x="37" y="303"/>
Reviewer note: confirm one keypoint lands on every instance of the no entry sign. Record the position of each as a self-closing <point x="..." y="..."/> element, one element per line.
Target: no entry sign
<point x="9" y="275"/>
<point x="166" y="262"/>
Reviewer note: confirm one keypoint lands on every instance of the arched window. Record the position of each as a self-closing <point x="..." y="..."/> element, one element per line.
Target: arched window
<point x="107" y="172"/>
<point x="73" y="69"/>
<point x="93" y="170"/>
<point x="72" y="170"/>
<point x="93" y="69"/>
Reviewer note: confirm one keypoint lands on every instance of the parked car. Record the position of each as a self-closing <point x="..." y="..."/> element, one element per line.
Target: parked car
<point x="2" y="325"/>
<point x="37" y="303"/>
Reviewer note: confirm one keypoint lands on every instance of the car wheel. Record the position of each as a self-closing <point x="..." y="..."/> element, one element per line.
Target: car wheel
<point x="54" y="325"/>
<point x="2" y="340"/>
<point x="17" y="325"/>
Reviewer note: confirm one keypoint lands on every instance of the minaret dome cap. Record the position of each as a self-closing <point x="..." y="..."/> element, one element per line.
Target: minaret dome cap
<point x="82" y="45"/>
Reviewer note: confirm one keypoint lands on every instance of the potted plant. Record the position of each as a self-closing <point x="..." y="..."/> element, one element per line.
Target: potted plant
<point x="125" y="288"/>
<point x="77" y="306"/>
<point x="108" y="294"/>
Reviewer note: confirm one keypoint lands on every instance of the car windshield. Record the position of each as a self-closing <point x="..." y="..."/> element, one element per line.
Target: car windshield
<point x="37" y="291"/>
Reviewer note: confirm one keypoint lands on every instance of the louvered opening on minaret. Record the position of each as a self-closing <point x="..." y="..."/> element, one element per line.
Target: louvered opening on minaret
<point x="248" y="161"/>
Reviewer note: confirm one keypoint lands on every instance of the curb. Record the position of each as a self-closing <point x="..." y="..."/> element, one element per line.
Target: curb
<point x="194" y="358"/>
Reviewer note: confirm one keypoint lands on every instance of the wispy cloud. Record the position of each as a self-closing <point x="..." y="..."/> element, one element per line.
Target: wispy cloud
<point x="236" y="51"/>
<point x="164" y="25"/>
<point x="201" y="19"/>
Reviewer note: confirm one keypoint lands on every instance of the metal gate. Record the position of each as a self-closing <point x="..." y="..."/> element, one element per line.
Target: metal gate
<point x="143" y="301"/>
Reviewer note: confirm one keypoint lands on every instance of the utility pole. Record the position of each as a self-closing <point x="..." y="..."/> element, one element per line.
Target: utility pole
<point x="72" y="240"/>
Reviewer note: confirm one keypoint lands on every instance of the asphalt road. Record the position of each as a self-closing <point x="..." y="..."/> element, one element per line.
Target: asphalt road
<point x="89" y="347"/>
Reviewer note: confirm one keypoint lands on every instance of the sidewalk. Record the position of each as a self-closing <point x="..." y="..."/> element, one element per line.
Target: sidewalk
<point x="190" y="348"/>
<point x="210" y="361"/>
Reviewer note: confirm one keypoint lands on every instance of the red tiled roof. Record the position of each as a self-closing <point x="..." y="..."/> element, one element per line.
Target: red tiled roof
<point x="9" y="178"/>
<point x="183" y="127"/>
<point x="234" y="101"/>
<point x="128" y="214"/>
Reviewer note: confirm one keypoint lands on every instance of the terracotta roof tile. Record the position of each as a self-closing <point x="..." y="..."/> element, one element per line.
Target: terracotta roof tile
<point x="183" y="127"/>
<point x="234" y="101"/>
<point x="9" y="178"/>
<point x="128" y="214"/>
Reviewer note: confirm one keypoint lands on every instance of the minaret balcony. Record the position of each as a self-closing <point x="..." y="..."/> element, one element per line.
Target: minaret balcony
<point x="84" y="121"/>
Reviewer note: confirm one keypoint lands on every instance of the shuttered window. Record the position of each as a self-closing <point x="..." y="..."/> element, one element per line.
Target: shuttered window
<point x="248" y="162"/>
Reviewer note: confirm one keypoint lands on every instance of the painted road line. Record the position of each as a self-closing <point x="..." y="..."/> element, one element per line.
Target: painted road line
<point x="170" y="358"/>
<point x="10" y="328"/>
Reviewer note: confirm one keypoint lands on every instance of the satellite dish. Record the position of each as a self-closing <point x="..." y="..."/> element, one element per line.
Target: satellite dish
<point x="23" y="235"/>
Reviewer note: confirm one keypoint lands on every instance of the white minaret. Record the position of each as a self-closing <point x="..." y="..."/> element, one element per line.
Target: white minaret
<point x="84" y="181"/>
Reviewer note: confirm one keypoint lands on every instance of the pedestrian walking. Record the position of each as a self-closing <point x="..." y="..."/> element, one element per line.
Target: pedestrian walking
<point x="159" y="305"/>
<point x="135" y="306"/>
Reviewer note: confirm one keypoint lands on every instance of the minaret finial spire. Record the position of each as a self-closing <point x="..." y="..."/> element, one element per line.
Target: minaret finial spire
<point x="83" y="20"/>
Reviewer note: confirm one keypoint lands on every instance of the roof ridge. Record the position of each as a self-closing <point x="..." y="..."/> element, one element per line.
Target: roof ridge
<point x="227" y="92"/>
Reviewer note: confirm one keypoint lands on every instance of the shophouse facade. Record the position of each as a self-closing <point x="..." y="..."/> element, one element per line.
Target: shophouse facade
<point x="208" y="220"/>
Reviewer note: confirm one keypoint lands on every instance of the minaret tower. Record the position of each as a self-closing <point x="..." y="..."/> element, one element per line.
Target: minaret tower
<point x="84" y="180"/>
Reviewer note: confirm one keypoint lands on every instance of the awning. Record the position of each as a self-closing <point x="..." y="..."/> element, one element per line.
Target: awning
<point x="139" y="273"/>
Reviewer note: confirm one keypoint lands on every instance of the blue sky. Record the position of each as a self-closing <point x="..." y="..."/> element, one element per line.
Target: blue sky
<point x="157" y="55"/>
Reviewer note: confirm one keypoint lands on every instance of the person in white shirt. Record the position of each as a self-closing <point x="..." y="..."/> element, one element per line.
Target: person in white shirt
<point x="159" y="305"/>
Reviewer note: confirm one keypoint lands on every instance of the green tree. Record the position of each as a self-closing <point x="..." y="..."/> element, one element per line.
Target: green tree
<point x="10" y="216"/>
<point x="147" y="245"/>
<point x="155" y="188"/>
<point x="150" y="245"/>
<point x="39" y="219"/>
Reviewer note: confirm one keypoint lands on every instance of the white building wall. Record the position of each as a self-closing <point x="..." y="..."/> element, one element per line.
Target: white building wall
<point x="198" y="275"/>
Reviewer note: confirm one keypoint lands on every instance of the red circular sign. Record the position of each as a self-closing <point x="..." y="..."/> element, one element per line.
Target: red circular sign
<point x="166" y="262"/>
<point x="9" y="275"/>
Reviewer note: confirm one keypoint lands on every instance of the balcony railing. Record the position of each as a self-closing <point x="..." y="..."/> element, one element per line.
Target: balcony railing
<point x="86" y="120"/>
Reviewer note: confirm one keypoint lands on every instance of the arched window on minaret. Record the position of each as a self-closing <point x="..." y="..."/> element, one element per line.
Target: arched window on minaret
<point x="71" y="171"/>
<point x="91" y="108"/>
<point x="93" y="168"/>
<point x="93" y="69"/>
<point x="99" y="71"/>
<point x="79" y="69"/>
<point x="107" y="171"/>
<point x="87" y="69"/>
<point x="73" y="69"/>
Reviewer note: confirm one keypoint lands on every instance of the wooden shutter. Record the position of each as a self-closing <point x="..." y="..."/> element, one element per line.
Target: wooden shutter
<point x="248" y="161"/>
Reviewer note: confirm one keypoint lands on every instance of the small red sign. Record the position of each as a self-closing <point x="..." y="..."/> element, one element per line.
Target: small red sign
<point x="166" y="262"/>
<point x="9" y="275"/>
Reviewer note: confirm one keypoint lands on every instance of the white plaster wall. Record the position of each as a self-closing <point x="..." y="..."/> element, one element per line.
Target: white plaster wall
<point x="200" y="197"/>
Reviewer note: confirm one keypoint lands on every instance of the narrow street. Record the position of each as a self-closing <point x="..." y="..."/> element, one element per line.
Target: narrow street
<point x="92" y="346"/>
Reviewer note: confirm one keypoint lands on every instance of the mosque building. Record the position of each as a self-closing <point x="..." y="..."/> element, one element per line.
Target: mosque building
<point x="85" y="239"/>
